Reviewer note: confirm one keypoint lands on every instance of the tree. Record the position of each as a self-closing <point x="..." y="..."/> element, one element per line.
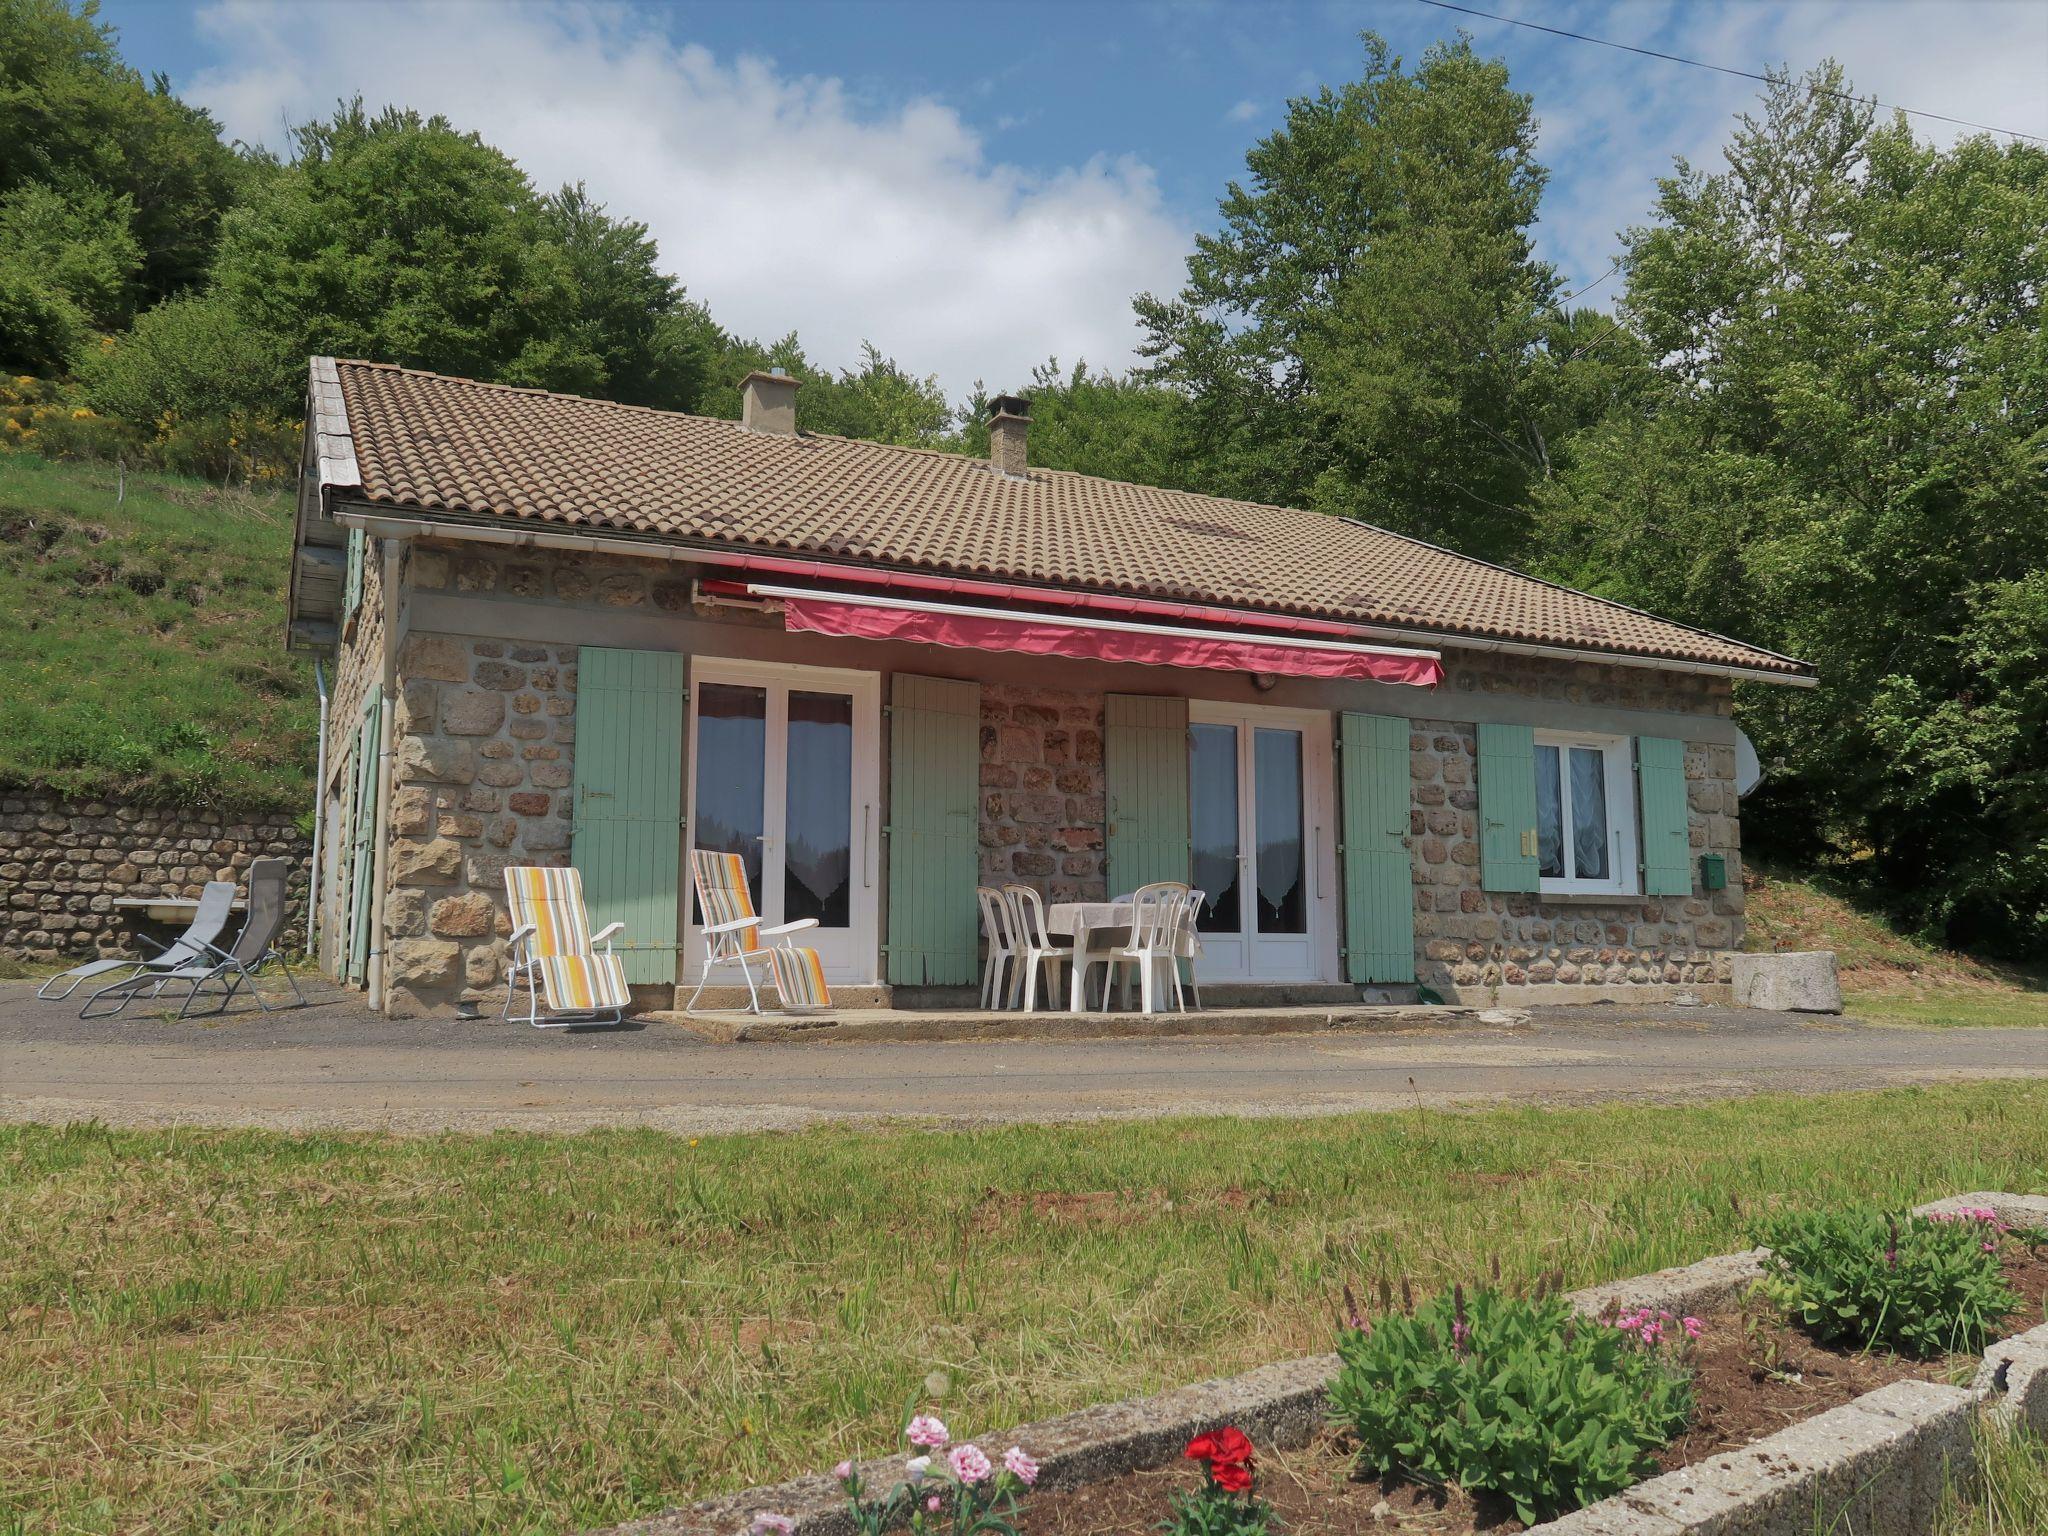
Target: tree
<point x="67" y="270"/>
<point x="1844" y="460"/>
<point x="74" y="118"/>
<point x="1121" y="427"/>
<point x="1370" y="333"/>
<point x="398" y="238"/>
<point x="649" y="344"/>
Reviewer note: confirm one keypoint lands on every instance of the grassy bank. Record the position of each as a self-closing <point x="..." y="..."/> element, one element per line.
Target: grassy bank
<point x="1889" y="977"/>
<point x="248" y="1332"/>
<point x="143" y="625"/>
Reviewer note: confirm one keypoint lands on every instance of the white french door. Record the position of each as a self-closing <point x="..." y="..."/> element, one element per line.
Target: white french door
<point x="1259" y="808"/>
<point x="784" y="773"/>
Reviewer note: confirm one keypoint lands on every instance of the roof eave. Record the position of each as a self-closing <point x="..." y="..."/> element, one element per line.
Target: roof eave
<point x="385" y="518"/>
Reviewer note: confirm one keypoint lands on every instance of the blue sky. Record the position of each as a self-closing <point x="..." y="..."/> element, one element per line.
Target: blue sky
<point x="977" y="187"/>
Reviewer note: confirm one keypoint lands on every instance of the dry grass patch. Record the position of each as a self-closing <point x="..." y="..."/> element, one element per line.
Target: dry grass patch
<point x="253" y="1332"/>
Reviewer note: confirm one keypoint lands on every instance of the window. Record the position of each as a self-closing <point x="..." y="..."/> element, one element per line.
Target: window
<point x="1585" y="821"/>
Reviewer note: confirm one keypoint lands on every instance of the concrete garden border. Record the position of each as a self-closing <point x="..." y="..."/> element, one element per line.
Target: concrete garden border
<point x="1876" y="1466"/>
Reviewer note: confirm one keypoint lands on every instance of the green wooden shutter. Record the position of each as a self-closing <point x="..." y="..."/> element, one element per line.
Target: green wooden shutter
<point x="1667" y="840"/>
<point x="934" y="830"/>
<point x="626" y="837"/>
<point x="363" y="834"/>
<point x="1379" y="887"/>
<point x="1507" y="807"/>
<point x="352" y="580"/>
<point x="1145" y="770"/>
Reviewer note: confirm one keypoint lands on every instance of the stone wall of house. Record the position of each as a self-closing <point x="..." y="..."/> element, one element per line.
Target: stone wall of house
<point x="1467" y="938"/>
<point x="483" y="778"/>
<point x="1042" y="791"/>
<point x="484" y="775"/>
<point x="63" y="864"/>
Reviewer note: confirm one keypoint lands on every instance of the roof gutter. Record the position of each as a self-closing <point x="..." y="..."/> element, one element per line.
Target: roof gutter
<point x="383" y="524"/>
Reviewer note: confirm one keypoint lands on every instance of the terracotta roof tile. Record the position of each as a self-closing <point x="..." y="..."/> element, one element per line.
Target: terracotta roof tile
<point x="434" y="443"/>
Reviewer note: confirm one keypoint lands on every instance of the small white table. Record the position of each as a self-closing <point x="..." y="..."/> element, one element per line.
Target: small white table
<point x="1092" y="924"/>
<point x="167" y="909"/>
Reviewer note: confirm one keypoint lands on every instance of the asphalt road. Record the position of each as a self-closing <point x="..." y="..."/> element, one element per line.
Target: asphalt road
<point x="338" y="1066"/>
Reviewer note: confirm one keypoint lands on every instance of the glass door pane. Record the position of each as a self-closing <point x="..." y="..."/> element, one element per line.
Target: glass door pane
<point x="732" y="739"/>
<point x="1213" y="813"/>
<point x="818" y="832"/>
<point x="1276" y="782"/>
<point x="1589" y="813"/>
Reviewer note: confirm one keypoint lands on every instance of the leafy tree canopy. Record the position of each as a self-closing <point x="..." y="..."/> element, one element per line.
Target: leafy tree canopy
<point x="75" y="118"/>
<point x="1369" y="332"/>
<point x="1844" y="458"/>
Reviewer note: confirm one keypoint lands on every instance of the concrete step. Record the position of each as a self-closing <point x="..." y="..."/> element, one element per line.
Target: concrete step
<point x="849" y="1026"/>
<point x="724" y="999"/>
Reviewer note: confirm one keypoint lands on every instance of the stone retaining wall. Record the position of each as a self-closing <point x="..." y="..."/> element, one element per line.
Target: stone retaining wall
<point x="63" y="863"/>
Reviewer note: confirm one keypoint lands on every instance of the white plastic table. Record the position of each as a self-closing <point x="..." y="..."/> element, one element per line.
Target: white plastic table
<point x="1092" y="920"/>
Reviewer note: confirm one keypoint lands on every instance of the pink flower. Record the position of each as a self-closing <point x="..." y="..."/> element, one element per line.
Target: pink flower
<point x="932" y="1503"/>
<point x="1020" y="1466"/>
<point x="969" y="1465"/>
<point x="1693" y="1327"/>
<point x="765" y="1522"/>
<point x="927" y="1431"/>
<point x="844" y="1472"/>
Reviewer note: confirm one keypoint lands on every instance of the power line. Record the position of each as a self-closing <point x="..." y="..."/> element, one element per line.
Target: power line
<point x="1723" y="69"/>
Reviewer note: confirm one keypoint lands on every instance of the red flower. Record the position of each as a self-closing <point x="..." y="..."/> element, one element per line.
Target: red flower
<point x="1228" y="1455"/>
<point x="1231" y="1476"/>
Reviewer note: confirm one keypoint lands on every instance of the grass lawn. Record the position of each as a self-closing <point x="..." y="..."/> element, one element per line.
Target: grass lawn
<point x="2013" y="1500"/>
<point x="1952" y="1009"/>
<point x="251" y="1332"/>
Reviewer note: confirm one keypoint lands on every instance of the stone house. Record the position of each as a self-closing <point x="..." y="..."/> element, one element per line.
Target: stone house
<point x="566" y="630"/>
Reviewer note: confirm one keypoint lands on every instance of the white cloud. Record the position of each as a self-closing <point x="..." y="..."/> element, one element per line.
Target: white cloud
<point x="1612" y="122"/>
<point x="1243" y="112"/>
<point x="781" y="202"/>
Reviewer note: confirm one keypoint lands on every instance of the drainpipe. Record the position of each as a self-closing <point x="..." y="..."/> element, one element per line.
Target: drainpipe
<point x="313" y="883"/>
<point x="390" y="550"/>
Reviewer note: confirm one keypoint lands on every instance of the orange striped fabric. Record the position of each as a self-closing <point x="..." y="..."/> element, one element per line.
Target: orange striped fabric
<point x="576" y="978"/>
<point x="799" y="977"/>
<point x="722" y="892"/>
<point x="581" y="983"/>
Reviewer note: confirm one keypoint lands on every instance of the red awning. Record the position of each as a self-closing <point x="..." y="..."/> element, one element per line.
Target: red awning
<point x="987" y="629"/>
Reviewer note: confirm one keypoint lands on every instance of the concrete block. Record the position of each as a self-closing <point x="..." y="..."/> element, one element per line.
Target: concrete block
<point x="1876" y="1467"/>
<point x="1692" y="1288"/>
<point x="2014" y="1210"/>
<point x="2014" y="1377"/>
<point x="1802" y="981"/>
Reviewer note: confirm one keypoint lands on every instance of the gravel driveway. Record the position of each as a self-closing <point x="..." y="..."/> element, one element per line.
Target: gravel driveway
<point x="338" y="1066"/>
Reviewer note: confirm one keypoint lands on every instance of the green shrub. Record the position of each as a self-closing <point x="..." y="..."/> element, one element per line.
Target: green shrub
<point x="1919" y="1285"/>
<point x="1513" y="1396"/>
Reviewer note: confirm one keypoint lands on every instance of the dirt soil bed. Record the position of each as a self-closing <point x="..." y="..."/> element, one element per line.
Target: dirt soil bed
<point x="1755" y="1376"/>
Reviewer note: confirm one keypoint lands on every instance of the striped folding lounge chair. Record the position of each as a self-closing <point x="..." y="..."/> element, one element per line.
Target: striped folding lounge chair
<point x="557" y="956"/>
<point x="733" y="935"/>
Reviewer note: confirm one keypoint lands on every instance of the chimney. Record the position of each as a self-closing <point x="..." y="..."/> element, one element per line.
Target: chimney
<point x="1008" y="418"/>
<point x="770" y="403"/>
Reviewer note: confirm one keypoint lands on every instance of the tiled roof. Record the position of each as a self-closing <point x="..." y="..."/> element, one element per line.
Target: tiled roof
<point x="441" y="444"/>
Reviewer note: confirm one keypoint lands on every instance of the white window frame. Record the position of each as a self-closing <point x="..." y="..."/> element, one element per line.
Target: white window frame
<point x="1624" y="857"/>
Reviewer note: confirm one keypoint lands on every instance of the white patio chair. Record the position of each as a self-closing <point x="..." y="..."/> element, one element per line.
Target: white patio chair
<point x="732" y="929"/>
<point x="1191" y="941"/>
<point x="1154" y="947"/>
<point x="998" y="982"/>
<point x="1037" y="948"/>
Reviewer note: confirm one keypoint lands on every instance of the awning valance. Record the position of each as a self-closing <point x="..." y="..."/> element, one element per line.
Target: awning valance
<point x="1085" y="638"/>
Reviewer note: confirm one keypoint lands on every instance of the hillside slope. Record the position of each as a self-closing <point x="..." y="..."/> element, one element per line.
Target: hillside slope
<point x="142" y="640"/>
<point x="1886" y="974"/>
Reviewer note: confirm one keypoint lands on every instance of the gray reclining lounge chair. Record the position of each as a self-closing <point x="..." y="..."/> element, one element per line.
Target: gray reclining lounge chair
<point x="255" y="945"/>
<point x="208" y="919"/>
